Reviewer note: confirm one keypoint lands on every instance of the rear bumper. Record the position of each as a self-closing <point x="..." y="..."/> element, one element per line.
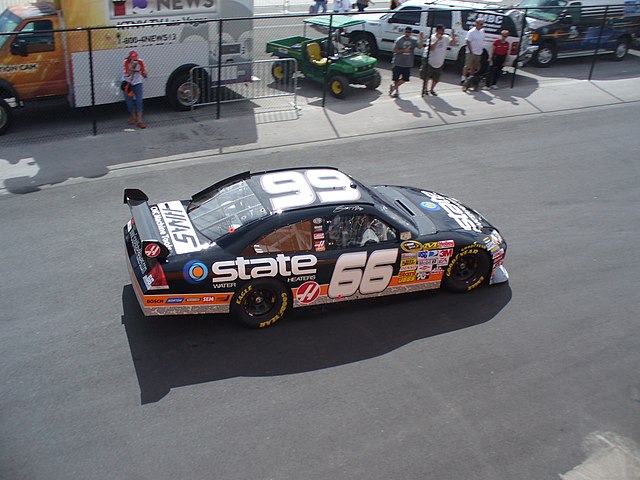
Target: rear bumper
<point x="182" y="304"/>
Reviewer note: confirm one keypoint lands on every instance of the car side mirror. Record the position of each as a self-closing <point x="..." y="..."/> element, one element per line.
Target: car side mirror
<point x="19" y="47"/>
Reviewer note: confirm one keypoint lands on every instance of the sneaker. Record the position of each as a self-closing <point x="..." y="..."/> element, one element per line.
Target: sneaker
<point x="434" y="93"/>
<point x="141" y="125"/>
<point x="425" y="92"/>
<point x="462" y="80"/>
<point x="391" y="90"/>
<point x="395" y="94"/>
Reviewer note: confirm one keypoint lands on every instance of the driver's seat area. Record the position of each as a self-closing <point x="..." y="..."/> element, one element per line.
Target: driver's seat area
<point x="315" y="55"/>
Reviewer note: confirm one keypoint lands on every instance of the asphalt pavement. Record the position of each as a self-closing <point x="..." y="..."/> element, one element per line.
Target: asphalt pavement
<point x="531" y="380"/>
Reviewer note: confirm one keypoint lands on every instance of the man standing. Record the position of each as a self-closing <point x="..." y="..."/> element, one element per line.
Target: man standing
<point x="475" y="45"/>
<point x="433" y="58"/>
<point x="403" y="51"/>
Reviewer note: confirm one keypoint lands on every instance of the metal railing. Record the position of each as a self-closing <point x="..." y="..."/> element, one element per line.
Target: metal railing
<point x="270" y="78"/>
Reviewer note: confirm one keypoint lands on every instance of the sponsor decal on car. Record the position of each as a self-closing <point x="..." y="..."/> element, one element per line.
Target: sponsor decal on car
<point x="246" y="269"/>
<point x="457" y="212"/>
<point x="308" y="292"/>
<point x="411" y="246"/>
<point x="179" y="227"/>
<point x="195" y="272"/>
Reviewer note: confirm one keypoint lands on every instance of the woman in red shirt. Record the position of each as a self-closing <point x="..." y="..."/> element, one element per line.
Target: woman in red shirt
<point x="497" y="56"/>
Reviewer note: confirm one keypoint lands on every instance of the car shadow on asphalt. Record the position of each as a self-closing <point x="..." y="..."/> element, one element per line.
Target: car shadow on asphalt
<point x="177" y="351"/>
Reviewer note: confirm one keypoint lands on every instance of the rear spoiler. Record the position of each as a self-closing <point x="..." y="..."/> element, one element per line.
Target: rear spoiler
<point x="148" y="232"/>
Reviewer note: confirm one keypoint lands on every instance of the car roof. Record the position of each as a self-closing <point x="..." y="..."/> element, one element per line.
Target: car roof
<point x="453" y="4"/>
<point x="298" y="188"/>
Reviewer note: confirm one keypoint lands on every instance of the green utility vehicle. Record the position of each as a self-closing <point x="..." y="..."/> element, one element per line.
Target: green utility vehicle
<point x="325" y="59"/>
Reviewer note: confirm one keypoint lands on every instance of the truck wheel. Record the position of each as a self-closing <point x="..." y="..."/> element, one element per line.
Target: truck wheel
<point x="183" y="93"/>
<point x="364" y="43"/>
<point x="621" y="49"/>
<point x="5" y="116"/>
<point x="375" y="81"/>
<point x="260" y="303"/>
<point x="338" y="86"/>
<point x="282" y="71"/>
<point x="545" y="55"/>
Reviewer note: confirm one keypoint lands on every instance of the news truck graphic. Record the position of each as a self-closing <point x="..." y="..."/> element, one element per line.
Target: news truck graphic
<point x="39" y="61"/>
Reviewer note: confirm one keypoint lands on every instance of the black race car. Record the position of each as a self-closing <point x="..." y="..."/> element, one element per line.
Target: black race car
<point x="258" y="244"/>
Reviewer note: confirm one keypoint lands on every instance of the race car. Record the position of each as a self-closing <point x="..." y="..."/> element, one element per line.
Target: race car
<point x="258" y="244"/>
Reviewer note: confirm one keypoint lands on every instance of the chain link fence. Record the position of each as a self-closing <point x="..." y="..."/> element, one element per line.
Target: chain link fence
<point x="227" y="60"/>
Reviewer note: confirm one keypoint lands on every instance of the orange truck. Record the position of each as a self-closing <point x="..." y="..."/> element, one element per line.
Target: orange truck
<point x="46" y="49"/>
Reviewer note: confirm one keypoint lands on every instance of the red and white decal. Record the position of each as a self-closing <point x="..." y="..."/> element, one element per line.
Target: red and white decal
<point x="308" y="292"/>
<point x="152" y="250"/>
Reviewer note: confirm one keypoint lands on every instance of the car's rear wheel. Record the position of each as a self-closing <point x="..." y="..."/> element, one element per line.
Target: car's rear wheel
<point x="282" y="71"/>
<point x="260" y="303"/>
<point x="467" y="269"/>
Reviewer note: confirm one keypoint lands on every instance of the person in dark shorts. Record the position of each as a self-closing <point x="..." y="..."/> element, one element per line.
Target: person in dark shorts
<point x="433" y="58"/>
<point x="403" y="58"/>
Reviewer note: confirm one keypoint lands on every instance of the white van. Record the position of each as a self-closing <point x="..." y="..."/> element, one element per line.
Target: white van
<point x="379" y="32"/>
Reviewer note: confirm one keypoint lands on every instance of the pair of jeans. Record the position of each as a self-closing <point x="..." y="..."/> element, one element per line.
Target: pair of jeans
<point x="320" y="4"/>
<point x="134" y="104"/>
<point x="496" y="69"/>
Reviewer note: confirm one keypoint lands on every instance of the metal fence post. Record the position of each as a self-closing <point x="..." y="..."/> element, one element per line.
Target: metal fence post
<point x="219" y="85"/>
<point x="595" y="54"/>
<point x="328" y="64"/>
<point x="93" y="90"/>
<point x="515" y="68"/>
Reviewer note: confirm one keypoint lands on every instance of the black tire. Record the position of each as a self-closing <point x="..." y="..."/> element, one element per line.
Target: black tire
<point x="375" y="81"/>
<point x="545" y="55"/>
<point x="183" y="93"/>
<point x="338" y="86"/>
<point x="622" y="48"/>
<point x="6" y="116"/>
<point x="260" y="303"/>
<point x="282" y="71"/>
<point x="364" y="42"/>
<point x="468" y="269"/>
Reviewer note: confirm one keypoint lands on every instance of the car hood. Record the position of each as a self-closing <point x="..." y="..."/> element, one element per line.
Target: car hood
<point x="358" y="60"/>
<point x="432" y="211"/>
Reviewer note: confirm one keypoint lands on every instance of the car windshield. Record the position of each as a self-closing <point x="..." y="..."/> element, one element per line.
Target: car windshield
<point x="8" y="23"/>
<point x="226" y="209"/>
<point x="547" y="10"/>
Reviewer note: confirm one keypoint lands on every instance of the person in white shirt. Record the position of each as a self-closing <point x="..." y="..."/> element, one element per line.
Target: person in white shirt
<point x="433" y="58"/>
<point x="341" y="6"/>
<point x="475" y="45"/>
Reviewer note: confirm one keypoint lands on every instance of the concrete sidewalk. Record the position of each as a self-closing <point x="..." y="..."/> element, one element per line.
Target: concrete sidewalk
<point x="28" y="167"/>
<point x="341" y="119"/>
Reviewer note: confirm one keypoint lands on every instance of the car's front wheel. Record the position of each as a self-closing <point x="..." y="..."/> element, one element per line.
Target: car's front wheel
<point x="467" y="269"/>
<point x="375" y="81"/>
<point x="260" y="303"/>
<point x="338" y="86"/>
<point x="5" y="116"/>
<point x="364" y="42"/>
<point x="545" y="55"/>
